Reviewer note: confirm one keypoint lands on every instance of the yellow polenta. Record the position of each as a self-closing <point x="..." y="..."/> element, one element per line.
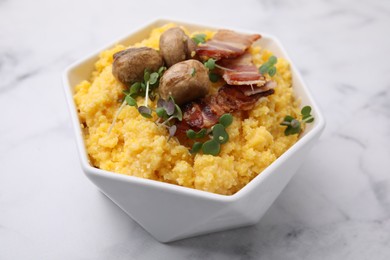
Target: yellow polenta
<point x="137" y="146"/>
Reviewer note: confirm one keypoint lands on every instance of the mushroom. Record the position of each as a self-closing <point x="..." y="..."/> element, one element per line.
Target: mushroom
<point x="176" y="46"/>
<point x="129" y="65"/>
<point x="185" y="81"/>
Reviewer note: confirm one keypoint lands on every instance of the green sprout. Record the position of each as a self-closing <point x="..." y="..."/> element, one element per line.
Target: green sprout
<point x="294" y="126"/>
<point x="168" y="110"/>
<point x="269" y="66"/>
<point x="193" y="72"/>
<point x="146" y="89"/>
<point x="217" y="133"/>
<point x="211" y="65"/>
<point x="199" y="38"/>
<point x="214" y="77"/>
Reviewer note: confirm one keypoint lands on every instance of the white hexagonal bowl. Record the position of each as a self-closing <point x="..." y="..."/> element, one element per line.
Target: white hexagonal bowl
<point x="170" y="212"/>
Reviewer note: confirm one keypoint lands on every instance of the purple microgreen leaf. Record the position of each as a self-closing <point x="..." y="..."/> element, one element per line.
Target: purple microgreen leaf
<point x="145" y="111"/>
<point x="169" y="107"/>
<point x="172" y="130"/>
<point x="160" y="102"/>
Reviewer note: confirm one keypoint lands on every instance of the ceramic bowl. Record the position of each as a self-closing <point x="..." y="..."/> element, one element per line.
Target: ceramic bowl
<point x="170" y="212"/>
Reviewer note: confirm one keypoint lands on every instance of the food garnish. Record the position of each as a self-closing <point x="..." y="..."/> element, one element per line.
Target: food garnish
<point x="168" y="110"/>
<point x="193" y="72"/>
<point x="294" y="126"/>
<point x="146" y="89"/>
<point x="213" y="77"/>
<point x="269" y="66"/>
<point x="217" y="136"/>
<point x="199" y="38"/>
<point x="186" y="82"/>
<point x="210" y="64"/>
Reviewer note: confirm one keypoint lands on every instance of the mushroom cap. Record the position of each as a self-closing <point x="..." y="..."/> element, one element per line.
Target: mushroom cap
<point x="185" y="81"/>
<point x="176" y="46"/>
<point x="129" y="65"/>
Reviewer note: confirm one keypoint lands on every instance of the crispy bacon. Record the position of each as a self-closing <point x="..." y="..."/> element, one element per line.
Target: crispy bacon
<point x="205" y="112"/>
<point x="241" y="71"/>
<point x="250" y="90"/>
<point x="226" y="44"/>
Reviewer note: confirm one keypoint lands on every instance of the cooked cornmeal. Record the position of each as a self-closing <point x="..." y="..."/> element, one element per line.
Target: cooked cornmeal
<point x="136" y="146"/>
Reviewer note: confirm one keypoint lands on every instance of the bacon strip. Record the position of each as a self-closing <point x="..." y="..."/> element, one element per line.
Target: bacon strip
<point x="241" y="71"/>
<point x="226" y="44"/>
<point x="249" y="90"/>
<point x="205" y="112"/>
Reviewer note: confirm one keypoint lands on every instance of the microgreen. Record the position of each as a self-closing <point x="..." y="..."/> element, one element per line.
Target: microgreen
<point x="193" y="72"/>
<point x="179" y="114"/>
<point x="172" y="130"/>
<point x="211" y="147"/>
<point x="210" y="64"/>
<point x="167" y="110"/>
<point x="213" y="77"/>
<point x="272" y="71"/>
<point x="145" y="111"/>
<point x="153" y="78"/>
<point x="134" y="89"/>
<point x="199" y="38"/>
<point x="130" y="101"/>
<point x="146" y="75"/>
<point x="161" y="112"/>
<point x="269" y="66"/>
<point x="306" y="116"/>
<point x="146" y="89"/>
<point x="161" y="70"/>
<point x="196" y="135"/>
<point x="294" y="126"/>
<point x="218" y="135"/>
<point x="196" y="147"/>
<point x="226" y="120"/>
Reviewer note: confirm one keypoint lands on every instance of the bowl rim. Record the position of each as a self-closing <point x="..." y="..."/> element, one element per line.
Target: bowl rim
<point x="91" y="171"/>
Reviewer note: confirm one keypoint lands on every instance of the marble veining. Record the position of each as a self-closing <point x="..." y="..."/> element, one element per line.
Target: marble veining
<point x="336" y="207"/>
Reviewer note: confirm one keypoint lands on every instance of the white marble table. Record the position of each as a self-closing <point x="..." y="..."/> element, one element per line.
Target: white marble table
<point x="336" y="207"/>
